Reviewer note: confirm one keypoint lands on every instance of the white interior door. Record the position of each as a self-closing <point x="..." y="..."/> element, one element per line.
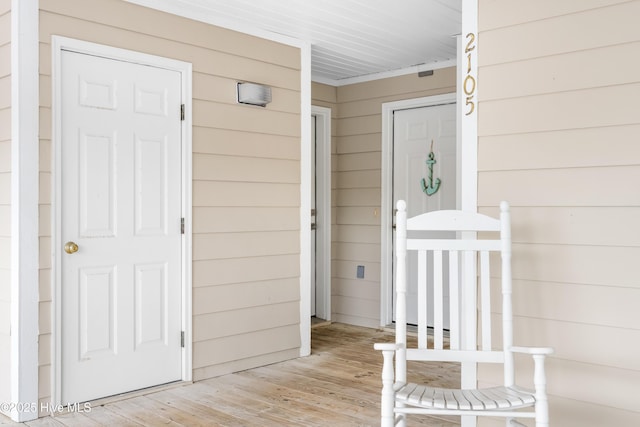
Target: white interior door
<point x="314" y="289"/>
<point x="121" y="206"/>
<point x="320" y="195"/>
<point x="416" y="132"/>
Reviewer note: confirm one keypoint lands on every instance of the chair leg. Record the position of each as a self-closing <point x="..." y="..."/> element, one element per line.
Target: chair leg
<point x="542" y="414"/>
<point x="540" y="383"/>
<point x="387" y="416"/>
<point x="402" y="420"/>
<point x="387" y="420"/>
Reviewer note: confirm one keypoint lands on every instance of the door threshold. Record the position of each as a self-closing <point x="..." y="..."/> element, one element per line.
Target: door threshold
<point x="137" y="393"/>
<point x="317" y="322"/>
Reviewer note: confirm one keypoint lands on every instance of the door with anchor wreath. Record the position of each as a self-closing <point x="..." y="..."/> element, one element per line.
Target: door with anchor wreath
<point x="424" y="174"/>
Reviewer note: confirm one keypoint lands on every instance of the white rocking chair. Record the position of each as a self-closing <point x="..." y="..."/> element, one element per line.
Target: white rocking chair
<point x="400" y="397"/>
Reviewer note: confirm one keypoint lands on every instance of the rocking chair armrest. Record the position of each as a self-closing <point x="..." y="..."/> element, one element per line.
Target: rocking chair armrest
<point x="542" y="351"/>
<point x="539" y="378"/>
<point x="388" y="346"/>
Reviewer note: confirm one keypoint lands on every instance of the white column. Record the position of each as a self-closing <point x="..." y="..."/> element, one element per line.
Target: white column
<point x="305" y="199"/>
<point x="467" y="103"/>
<point x="24" y="209"/>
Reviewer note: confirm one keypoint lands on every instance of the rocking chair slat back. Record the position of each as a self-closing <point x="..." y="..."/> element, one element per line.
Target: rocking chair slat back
<point x="443" y="268"/>
<point x="438" y="265"/>
<point x="485" y="299"/>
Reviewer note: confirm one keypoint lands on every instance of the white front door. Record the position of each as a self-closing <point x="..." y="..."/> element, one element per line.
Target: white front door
<point x="425" y="183"/>
<point x="121" y="206"/>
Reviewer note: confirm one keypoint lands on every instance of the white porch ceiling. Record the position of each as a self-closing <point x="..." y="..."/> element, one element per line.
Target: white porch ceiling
<point x="351" y="40"/>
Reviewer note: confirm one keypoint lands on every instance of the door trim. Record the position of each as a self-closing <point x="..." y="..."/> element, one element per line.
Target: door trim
<point x="60" y="44"/>
<point x="305" y="199"/>
<point x="386" y="217"/>
<point x="323" y="206"/>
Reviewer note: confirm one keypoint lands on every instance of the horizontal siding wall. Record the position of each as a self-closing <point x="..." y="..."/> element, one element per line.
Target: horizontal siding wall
<point x="246" y="178"/>
<point x="358" y="188"/>
<point x="5" y="200"/>
<point x="558" y="138"/>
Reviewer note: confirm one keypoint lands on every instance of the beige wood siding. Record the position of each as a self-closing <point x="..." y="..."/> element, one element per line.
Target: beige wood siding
<point x="558" y="138"/>
<point x="246" y="179"/>
<point x="357" y="188"/>
<point x="5" y="200"/>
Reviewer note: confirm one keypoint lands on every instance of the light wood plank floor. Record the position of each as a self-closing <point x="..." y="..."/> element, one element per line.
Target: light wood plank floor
<point x="338" y="385"/>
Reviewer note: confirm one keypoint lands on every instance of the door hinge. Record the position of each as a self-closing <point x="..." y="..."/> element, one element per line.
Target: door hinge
<point x="182" y="112"/>
<point x="181" y="225"/>
<point x="182" y="339"/>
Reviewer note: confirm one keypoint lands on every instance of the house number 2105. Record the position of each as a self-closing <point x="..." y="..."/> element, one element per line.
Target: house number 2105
<point x="469" y="83"/>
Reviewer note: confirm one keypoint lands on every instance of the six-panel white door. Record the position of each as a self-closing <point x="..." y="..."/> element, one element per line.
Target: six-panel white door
<point x="414" y="131"/>
<point x="121" y="205"/>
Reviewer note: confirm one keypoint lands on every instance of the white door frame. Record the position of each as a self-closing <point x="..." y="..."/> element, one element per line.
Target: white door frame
<point x="323" y="211"/>
<point x="386" y="217"/>
<point x="60" y="44"/>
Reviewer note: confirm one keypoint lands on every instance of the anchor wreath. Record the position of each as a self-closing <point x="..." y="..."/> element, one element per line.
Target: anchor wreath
<point x="433" y="186"/>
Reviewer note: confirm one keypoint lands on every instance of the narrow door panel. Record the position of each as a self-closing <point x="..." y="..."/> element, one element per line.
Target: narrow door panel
<point x="97" y="182"/>
<point x="97" y="312"/>
<point x="151" y="304"/>
<point x="151" y="186"/>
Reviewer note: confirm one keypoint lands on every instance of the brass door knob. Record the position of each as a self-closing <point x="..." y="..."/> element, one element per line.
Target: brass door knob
<point x="70" y="247"/>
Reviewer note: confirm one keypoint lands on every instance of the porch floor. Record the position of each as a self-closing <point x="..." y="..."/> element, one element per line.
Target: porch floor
<point x="338" y="385"/>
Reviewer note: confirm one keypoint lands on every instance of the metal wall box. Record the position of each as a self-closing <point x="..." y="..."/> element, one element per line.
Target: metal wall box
<point x="253" y="94"/>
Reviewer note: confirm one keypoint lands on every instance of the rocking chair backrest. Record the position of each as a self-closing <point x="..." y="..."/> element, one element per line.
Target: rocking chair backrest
<point x="444" y="262"/>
